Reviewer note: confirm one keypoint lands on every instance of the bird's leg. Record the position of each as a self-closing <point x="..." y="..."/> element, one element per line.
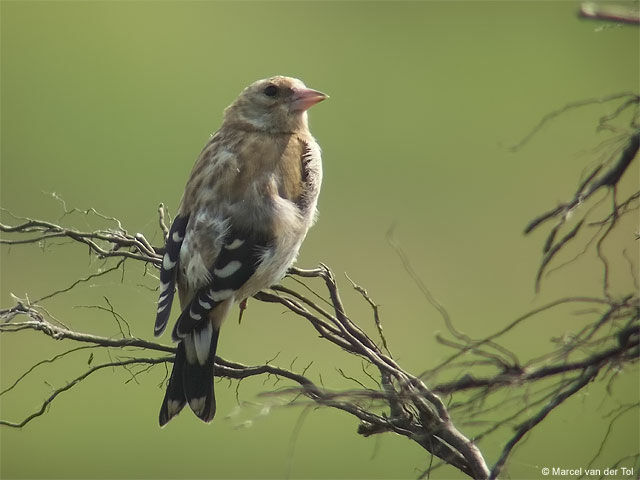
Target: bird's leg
<point x="243" y="307"/>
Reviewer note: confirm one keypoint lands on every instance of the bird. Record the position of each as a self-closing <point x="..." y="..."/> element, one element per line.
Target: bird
<point x="247" y="206"/>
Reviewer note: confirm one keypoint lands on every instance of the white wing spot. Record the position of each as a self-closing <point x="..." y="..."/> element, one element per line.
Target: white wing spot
<point x="195" y="316"/>
<point x="167" y="264"/>
<point x="220" y="295"/>
<point x="205" y="305"/>
<point x="163" y="297"/>
<point x="228" y="270"/>
<point x="161" y="308"/>
<point x="176" y="237"/>
<point x="164" y="286"/>
<point x="237" y="243"/>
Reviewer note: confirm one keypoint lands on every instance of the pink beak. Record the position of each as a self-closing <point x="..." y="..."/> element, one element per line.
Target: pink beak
<point x="305" y="98"/>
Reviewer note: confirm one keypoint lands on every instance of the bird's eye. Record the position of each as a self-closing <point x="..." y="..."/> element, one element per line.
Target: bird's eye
<point x="271" y="91"/>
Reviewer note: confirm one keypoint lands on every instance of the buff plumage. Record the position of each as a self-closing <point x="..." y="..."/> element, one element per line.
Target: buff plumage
<point x="247" y="206"/>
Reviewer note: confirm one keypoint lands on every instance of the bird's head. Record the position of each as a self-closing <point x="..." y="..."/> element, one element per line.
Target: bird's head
<point x="274" y="105"/>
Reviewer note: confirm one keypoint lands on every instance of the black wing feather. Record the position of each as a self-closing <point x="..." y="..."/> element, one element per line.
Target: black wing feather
<point x="168" y="271"/>
<point x="241" y="254"/>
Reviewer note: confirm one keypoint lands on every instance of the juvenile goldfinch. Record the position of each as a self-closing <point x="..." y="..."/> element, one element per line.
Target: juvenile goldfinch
<point x="246" y="209"/>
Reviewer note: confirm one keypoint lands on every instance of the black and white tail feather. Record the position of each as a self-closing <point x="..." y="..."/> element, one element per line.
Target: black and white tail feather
<point x="192" y="376"/>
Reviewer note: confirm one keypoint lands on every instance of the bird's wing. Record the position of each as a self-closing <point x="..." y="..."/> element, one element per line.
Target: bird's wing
<point x="171" y="263"/>
<point x="237" y="261"/>
<point x="168" y="271"/>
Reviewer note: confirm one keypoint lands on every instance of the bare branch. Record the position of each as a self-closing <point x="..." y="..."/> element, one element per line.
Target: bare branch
<point x="633" y="98"/>
<point x="578" y="384"/>
<point x="73" y="383"/>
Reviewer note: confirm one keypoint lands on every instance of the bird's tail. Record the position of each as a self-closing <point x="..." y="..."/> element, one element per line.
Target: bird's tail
<point x="192" y="376"/>
<point x="174" y="398"/>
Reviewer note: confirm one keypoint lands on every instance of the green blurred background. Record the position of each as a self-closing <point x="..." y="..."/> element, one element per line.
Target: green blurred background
<point x="108" y="104"/>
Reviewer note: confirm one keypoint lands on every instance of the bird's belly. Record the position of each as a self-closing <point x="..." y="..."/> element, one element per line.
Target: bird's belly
<point x="290" y="230"/>
<point x="276" y="261"/>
